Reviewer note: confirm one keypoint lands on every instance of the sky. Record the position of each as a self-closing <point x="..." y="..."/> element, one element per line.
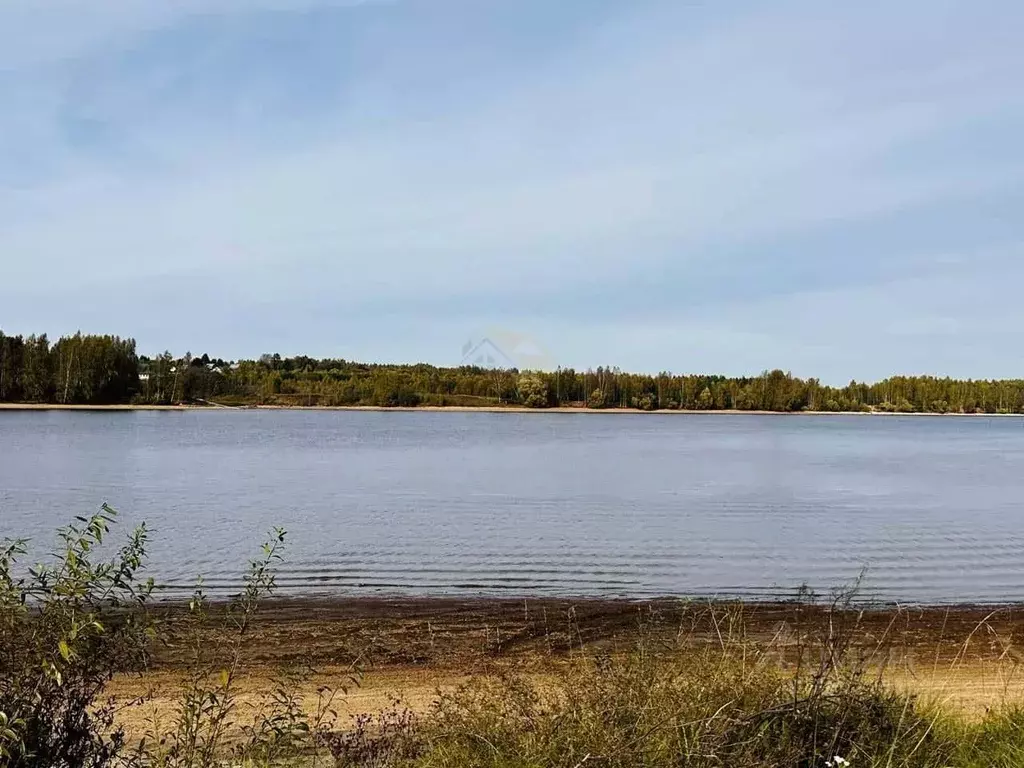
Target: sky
<point x="835" y="189"/>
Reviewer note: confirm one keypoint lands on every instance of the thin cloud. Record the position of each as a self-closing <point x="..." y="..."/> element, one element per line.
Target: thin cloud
<point x="663" y="162"/>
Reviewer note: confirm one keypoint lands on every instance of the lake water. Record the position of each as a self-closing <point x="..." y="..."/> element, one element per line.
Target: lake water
<point x="515" y="504"/>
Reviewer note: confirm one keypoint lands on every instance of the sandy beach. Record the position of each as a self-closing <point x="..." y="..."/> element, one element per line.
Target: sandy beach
<point x="962" y="657"/>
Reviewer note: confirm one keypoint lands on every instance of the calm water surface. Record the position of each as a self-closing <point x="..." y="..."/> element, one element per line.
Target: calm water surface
<point x="580" y="504"/>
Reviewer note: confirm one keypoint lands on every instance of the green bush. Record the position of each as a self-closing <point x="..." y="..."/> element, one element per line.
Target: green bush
<point x="645" y="402"/>
<point x="66" y="628"/>
<point x="533" y="392"/>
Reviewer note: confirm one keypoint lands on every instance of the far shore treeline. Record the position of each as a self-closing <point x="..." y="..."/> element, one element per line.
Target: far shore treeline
<point x="107" y="370"/>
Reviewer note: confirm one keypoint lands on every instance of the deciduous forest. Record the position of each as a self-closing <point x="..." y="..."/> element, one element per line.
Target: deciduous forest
<point x="106" y="370"/>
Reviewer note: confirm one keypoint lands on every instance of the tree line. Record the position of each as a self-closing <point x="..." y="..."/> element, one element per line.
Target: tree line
<point x="97" y="370"/>
<point x="102" y="370"/>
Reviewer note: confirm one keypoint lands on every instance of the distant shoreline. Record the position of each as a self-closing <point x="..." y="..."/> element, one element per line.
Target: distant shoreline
<point x="476" y="409"/>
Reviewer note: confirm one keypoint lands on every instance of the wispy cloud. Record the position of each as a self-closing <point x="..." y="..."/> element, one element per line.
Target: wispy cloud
<point x="653" y="185"/>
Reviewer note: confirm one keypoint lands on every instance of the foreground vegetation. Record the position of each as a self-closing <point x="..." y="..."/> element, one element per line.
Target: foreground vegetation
<point x="100" y="370"/>
<point x="67" y="628"/>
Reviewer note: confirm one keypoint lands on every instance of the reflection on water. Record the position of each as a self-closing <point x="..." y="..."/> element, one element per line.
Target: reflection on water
<point x="586" y="504"/>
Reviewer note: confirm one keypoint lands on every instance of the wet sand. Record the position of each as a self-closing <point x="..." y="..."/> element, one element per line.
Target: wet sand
<point x="469" y="631"/>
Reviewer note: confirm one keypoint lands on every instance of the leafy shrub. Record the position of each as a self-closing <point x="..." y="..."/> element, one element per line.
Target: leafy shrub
<point x="533" y="392"/>
<point x="645" y="402"/>
<point x="66" y="628"/>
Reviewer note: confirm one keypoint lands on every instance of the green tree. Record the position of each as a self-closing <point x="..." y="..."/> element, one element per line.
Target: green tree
<point x="96" y="369"/>
<point x="706" y="400"/>
<point x="12" y="351"/>
<point x="37" y="377"/>
<point x="533" y="392"/>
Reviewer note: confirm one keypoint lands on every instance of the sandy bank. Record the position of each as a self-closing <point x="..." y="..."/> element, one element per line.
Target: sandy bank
<point x="963" y="657"/>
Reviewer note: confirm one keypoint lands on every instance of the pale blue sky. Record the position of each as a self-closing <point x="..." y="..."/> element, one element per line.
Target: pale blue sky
<point x="831" y="188"/>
